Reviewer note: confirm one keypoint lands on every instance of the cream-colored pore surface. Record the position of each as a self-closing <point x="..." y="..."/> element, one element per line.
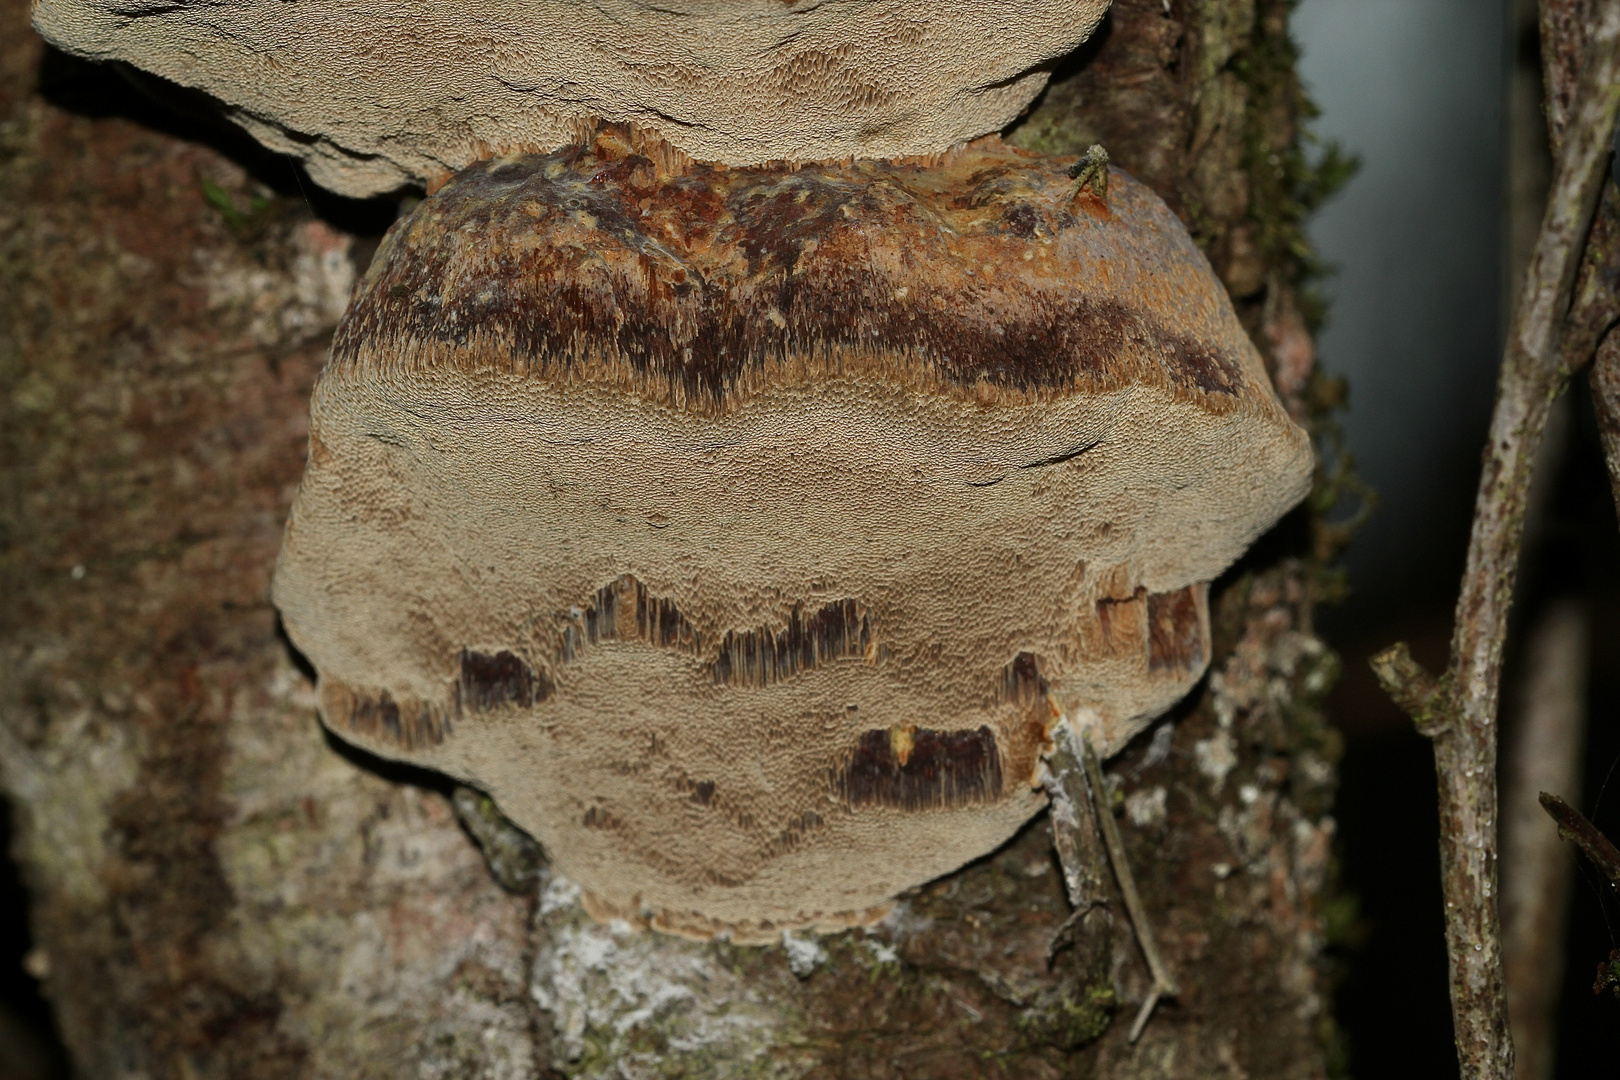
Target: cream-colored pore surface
<point x="438" y="516"/>
<point x="373" y="95"/>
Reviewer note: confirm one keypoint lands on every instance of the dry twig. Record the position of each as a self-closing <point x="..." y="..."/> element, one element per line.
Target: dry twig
<point x="1074" y="781"/>
<point x="1074" y="824"/>
<point x="1164" y="985"/>
<point x="1572" y="825"/>
<point x="1566" y="31"/>
<point x="1604" y="380"/>
<point x="1458" y="710"/>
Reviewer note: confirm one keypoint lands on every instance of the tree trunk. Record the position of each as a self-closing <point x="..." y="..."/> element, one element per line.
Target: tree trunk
<point x="219" y="888"/>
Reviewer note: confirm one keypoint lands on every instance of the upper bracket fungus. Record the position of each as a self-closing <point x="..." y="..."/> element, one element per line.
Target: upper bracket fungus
<point x="745" y="531"/>
<point x="374" y="95"/>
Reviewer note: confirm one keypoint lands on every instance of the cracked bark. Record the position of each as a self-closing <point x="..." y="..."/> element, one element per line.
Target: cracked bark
<point x="220" y="889"/>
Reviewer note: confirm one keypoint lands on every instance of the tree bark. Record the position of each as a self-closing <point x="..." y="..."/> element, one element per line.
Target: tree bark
<point x="221" y="889"/>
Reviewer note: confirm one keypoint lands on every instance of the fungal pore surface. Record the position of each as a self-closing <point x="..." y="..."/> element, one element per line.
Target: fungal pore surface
<point x="743" y="531"/>
<point x="371" y="95"/>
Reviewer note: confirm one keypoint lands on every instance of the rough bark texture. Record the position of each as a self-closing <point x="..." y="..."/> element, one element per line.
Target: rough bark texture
<point x="1604" y="379"/>
<point x="222" y="890"/>
<point x="1566" y="30"/>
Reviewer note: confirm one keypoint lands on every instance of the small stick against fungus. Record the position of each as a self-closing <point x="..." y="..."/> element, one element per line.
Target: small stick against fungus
<point x="1074" y="824"/>
<point x="1079" y="847"/>
<point x="1163" y="983"/>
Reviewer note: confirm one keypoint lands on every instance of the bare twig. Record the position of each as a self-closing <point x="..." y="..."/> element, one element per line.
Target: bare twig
<point x="1572" y="825"/>
<point x="1566" y="30"/>
<point x="1164" y="985"/>
<point x="1596" y="302"/>
<point x="1459" y="710"/>
<point x="1606" y="402"/>
<point x="1566" y="27"/>
<point x="1074" y="824"/>
<point x="1536" y="866"/>
<point x="1565" y="34"/>
<point x="1605" y="383"/>
<point x="1419" y="694"/>
<point x="1080" y="811"/>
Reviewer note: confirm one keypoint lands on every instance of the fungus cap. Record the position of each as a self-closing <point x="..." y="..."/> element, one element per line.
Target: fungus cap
<point x="372" y="96"/>
<point x="743" y="532"/>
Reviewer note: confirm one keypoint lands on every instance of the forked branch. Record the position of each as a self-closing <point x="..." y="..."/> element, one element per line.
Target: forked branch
<point x="1458" y="710"/>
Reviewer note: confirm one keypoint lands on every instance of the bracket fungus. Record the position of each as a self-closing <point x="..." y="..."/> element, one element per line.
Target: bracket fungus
<point x="372" y="96"/>
<point x="743" y="527"/>
<point x="744" y="531"/>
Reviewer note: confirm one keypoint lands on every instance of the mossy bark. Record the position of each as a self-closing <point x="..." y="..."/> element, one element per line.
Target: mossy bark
<point x="220" y="889"/>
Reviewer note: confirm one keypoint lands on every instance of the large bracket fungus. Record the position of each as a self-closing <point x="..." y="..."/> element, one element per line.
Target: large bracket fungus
<point x="374" y="94"/>
<point x="743" y="531"/>
<point x="743" y="528"/>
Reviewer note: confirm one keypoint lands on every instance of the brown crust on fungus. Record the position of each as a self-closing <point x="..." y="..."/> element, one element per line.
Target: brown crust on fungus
<point x="744" y="531"/>
<point x="1177" y="635"/>
<point x="623" y="610"/>
<point x="710" y="285"/>
<point x="911" y="768"/>
<point x="764" y="656"/>
<point x="375" y="716"/>
<point x="490" y="682"/>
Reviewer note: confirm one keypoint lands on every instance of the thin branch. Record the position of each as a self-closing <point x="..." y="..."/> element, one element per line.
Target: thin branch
<point x="1572" y="825"/>
<point x="1074" y="824"/>
<point x="1164" y="984"/>
<point x="1565" y="30"/>
<point x="1419" y="694"/>
<point x="1564" y="34"/>
<point x="1459" y="709"/>
<point x="1596" y="302"/>
<point x="1604" y="380"/>
<point x="1080" y="812"/>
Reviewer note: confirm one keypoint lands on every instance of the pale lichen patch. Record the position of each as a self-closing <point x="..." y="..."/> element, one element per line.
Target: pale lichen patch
<point x="643" y="1006"/>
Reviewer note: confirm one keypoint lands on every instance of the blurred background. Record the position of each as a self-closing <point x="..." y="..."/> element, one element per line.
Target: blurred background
<point x="1440" y="100"/>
